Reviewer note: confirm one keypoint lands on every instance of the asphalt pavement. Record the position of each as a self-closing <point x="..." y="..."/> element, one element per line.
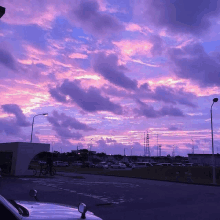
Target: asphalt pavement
<point x="113" y="198"/>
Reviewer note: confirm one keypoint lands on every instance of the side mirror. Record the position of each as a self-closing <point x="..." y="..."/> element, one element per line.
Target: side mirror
<point x="82" y="208"/>
<point x="33" y="193"/>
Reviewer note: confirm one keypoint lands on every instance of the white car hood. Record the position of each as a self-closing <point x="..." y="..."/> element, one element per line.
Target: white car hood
<point x="42" y="210"/>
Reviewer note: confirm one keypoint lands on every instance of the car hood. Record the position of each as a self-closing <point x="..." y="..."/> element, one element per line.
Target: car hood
<point x="42" y="210"/>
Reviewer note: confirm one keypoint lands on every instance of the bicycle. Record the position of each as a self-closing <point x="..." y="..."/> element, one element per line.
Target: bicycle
<point x="44" y="171"/>
<point x="47" y="171"/>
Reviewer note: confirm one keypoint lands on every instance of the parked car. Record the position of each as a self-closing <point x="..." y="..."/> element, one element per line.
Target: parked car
<point x="18" y="209"/>
<point x="167" y="164"/>
<point x="115" y="166"/>
<point x="128" y="165"/>
<point x="40" y="162"/>
<point x="77" y="163"/>
<point x="178" y="165"/>
<point x="188" y="164"/>
<point x="110" y="163"/>
<point x="122" y="166"/>
<point x="102" y="165"/>
<point x="196" y="164"/>
<point x="60" y="164"/>
<point x="158" y="164"/>
<point x="88" y="164"/>
<point x="141" y="165"/>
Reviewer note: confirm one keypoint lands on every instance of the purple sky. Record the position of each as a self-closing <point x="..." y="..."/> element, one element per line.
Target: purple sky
<point x="107" y="71"/>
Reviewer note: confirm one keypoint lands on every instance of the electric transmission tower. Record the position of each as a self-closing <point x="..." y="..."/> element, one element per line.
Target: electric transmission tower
<point x="173" y="153"/>
<point x="157" y="144"/>
<point x="148" y="148"/>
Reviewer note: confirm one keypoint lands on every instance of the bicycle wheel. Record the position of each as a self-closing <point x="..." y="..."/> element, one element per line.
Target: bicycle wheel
<point x="44" y="171"/>
<point x="34" y="172"/>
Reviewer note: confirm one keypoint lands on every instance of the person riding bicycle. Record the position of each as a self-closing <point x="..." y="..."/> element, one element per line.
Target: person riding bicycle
<point x="49" y="162"/>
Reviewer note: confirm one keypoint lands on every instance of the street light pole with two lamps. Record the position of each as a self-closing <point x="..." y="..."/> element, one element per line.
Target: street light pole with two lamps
<point x="213" y="156"/>
<point x="33" y="123"/>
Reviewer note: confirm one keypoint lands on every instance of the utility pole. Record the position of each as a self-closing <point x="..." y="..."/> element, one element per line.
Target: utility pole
<point x="192" y="147"/>
<point x="213" y="154"/>
<point x="173" y="153"/>
<point x="124" y="154"/>
<point x="131" y="150"/>
<point x="144" y="145"/>
<point x="148" y="148"/>
<point x="157" y="144"/>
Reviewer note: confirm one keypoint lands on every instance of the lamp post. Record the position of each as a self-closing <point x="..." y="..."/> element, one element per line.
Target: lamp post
<point x="2" y="11"/>
<point x="213" y="156"/>
<point x="124" y="153"/>
<point x="33" y="123"/>
<point x="90" y="149"/>
<point x="131" y="150"/>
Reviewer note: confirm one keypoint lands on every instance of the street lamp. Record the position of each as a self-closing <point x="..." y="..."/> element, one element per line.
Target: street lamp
<point x="2" y="11"/>
<point x="213" y="157"/>
<point x="90" y="150"/>
<point x="124" y="153"/>
<point x="33" y="123"/>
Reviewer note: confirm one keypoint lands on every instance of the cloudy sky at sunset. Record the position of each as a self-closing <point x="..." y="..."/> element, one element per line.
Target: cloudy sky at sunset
<point x="106" y="71"/>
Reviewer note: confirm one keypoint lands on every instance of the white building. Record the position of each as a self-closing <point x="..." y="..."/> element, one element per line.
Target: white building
<point x="18" y="155"/>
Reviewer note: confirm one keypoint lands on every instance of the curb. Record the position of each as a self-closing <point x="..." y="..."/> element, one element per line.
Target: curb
<point x="189" y="183"/>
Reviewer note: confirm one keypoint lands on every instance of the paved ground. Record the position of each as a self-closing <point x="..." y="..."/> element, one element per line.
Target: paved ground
<point x="129" y="198"/>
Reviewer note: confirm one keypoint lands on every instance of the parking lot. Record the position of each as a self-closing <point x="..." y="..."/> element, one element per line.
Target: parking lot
<point x="119" y="197"/>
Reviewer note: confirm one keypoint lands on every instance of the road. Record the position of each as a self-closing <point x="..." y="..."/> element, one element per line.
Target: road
<point x="113" y="198"/>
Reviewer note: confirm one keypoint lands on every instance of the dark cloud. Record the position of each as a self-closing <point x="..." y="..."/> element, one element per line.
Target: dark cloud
<point x="86" y="14"/>
<point x="109" y="147"/>
<point x="192" y="62"/>
<point x="150" y="112"/>
<point x="145" y="86"/>
<point x="170" y="111"/>
<point x="110" y="140"/>
<point x="65" y="133"/>
<point x="108" y="67"/>
<point x="147" y="111"/>
<point x="170" y="95"/>
<point x="62" y="124"/>
<point x="9" y="127"/>
<point x="166" y="94"/>
<point x="90" y="100"/>
<point x="114" y="91"/>
<point x="15" y="110"/>
<point x="70" y="122"/>
<point x="7" y="60"/>
<point x="161" y="93"/>
<point x="57" y="95"/>
<point x="181" y="16"/>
